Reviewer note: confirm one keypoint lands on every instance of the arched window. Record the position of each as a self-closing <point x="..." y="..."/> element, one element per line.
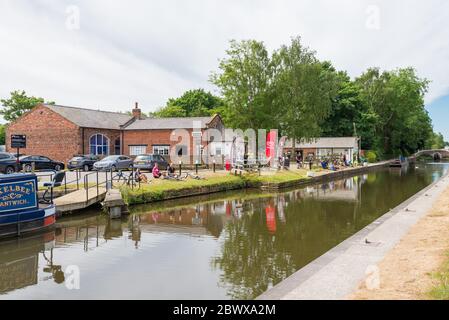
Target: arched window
<point x="99" y="144"/>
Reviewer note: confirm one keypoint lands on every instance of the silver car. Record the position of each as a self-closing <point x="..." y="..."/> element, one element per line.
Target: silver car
<point x="114" y="163"/>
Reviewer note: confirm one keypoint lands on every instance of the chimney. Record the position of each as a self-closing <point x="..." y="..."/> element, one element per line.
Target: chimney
<point x="137" y="113"/>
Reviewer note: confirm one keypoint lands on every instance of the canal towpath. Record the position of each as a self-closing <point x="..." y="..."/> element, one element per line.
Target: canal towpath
<point x="410" y="270"/>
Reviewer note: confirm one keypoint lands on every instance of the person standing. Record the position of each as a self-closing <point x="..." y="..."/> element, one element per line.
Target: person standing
<point x="298" y="160"/>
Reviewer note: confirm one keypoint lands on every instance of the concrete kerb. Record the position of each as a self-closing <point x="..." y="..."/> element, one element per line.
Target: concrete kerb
<point x="339" y="271"/>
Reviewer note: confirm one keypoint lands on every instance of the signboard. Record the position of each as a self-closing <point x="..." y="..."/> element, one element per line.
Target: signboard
<point x="18" y="141"/>
<point x="270" y="151"/>
<point x="18" y="195"/>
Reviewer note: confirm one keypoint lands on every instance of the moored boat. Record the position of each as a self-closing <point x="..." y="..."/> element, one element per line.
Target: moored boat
<point x="399" y="163"/>
<point x="20" y="210"/>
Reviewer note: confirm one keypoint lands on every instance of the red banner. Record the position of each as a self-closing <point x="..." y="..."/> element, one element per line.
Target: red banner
<point x="270" y="151"/>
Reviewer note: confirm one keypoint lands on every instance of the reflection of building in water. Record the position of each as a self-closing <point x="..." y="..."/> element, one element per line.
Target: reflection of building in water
<point x="341" y="190"/>
<point x="194" y="220"/>
<point x="344" y="190"/>
<point x="198" y="219"/>
<point x="19" y="260"/>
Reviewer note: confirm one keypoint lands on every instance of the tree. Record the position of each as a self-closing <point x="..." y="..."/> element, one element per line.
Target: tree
<point x="289" y="90"/>
<point x="2" y="134"/>
<point x="169" y="112"/>
<point x="244" y="81"/>
<point x="193" y="103"/>
<point x="349" y="116"/>
<point x="18" y="104"/>
<point x="396" y="98"/>
<point x="436" y="141"/>
<point x="303" y="90"/>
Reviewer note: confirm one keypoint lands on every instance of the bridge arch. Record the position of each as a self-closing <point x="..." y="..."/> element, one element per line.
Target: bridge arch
<point x="437" y="154"/>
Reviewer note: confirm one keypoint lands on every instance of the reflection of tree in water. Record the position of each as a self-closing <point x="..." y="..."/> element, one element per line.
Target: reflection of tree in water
<point x="253" y="259"/>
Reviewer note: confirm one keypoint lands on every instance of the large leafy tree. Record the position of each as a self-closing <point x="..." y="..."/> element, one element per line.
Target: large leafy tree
<point x="193" y="103"/>
<point x="17" y="104"/>
<point x="349" y="115"/>
<point x="245" y="79"/>
<point x="303" y="91"/>
<point x="288" y="89"/>
<point x="396" y="98"/>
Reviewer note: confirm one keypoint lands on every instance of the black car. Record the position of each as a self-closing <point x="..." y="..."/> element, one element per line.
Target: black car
<point x="147" y="161"/>
<point x="8" y="163"/>
<point x="85" y="162"/>
<point x="40" y="163"/>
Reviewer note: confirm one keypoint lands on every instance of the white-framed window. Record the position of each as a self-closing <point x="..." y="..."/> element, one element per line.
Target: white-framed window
<point x="218" y="151"/>
<point x="99" y="144"/>
<point x="137" y="150"/>
<point x="163" y="150"/>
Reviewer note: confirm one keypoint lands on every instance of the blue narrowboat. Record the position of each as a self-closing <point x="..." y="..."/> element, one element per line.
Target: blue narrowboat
<point x="20" y="210"/>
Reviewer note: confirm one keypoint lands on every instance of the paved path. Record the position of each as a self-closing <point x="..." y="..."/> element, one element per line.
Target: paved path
<point x="338" y="273"/>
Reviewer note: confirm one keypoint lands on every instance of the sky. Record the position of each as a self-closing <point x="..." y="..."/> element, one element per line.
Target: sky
<point x="109" y="54"/>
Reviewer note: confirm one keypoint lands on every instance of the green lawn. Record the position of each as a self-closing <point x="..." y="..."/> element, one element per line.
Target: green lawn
<point x="278" y="177"/>
<point x="163" y="189"/>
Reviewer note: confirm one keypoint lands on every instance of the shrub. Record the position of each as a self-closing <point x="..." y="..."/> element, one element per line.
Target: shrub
<point x="371" y="156"/>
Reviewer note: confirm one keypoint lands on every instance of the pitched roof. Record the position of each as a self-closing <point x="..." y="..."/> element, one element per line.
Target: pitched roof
<point x="327" y="142"/>
<point x="169" y="123"/>
<point x="89" y="118"/>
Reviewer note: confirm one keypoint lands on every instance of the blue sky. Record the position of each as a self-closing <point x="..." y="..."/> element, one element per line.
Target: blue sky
<point x="439" y="112"/>
<point x="109" y="54"/>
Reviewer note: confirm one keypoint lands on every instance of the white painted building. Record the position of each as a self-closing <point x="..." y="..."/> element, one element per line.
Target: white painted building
<point x="327" y="146"/>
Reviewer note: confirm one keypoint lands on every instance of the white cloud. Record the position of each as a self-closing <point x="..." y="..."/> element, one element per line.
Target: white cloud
<point x="148" y="51"/>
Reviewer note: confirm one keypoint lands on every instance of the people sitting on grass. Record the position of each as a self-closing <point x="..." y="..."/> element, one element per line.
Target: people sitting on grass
<point x="156" y="173"/>
<point x="171" y="170"/>
<point x="140" y="177"/>
<point x="324" y="163"/>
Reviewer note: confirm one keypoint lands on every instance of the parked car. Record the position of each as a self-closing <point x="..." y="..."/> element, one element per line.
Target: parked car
<point x="114" y="163"/>
<point x="8" y="163"/>
<point x="147" y="161"/>
<point x="40" y="163"/>
<point x="85" y="162"/>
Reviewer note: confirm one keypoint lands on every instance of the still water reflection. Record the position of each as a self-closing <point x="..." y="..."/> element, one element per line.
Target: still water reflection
<point x="224" y="246"/>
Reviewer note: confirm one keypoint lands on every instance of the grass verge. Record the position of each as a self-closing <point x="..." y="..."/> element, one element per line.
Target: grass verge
<point x="441" y="289"/>
<point x="167" y="189"/>
<point x="158" y="190"/>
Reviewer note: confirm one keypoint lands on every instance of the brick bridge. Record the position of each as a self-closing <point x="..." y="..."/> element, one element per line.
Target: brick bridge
<point x="436" y="154"/>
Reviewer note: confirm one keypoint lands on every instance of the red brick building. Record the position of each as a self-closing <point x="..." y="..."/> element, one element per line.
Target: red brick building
<point x="60" y="132"/>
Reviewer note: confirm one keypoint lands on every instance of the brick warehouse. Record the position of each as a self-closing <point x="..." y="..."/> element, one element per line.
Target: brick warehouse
<point x="60" y="132"/>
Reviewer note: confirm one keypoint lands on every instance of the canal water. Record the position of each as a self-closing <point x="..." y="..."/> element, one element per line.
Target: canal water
<point x="232" y="245"/>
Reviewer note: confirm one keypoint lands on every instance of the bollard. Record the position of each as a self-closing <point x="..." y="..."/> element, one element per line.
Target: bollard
<point x="196" y="167"/>
<point x="214" y="165"/>
<point x="180" y="168"/>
